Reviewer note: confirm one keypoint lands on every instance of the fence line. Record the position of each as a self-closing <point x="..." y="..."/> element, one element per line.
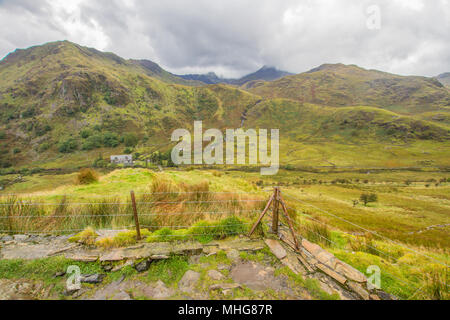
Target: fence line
<point x="127" y="215"/>
<point x="126" y="203"/>
<point x="369" y="231"/>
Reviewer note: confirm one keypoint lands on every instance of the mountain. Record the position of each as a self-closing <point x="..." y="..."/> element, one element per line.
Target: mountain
<point x="265" y="73"/>
<point x="208" y="78"/>
<point x="152" y="69"/>
<point x="62" y="105"/>
<point x="444" y="78"/>
<point x="340" y="85"/>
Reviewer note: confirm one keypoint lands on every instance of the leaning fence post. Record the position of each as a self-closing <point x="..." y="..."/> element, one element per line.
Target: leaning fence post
<point x="136" y="220"/>
<point x="275" y="210"/>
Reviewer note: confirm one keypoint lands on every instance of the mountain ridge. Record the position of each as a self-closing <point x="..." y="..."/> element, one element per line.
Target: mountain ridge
<point x="62" y="104"/>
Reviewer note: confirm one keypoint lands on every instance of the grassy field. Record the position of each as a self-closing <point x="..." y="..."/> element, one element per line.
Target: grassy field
<point x="405" y="232"/>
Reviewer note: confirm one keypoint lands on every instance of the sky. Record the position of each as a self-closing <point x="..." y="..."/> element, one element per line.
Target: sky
<point x="236" y="37"/>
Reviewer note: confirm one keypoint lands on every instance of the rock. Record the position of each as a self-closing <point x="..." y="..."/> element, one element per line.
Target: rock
<point x="222" y="267"/>
<point x="142" y="266"/>
<point x="112" y="256"/>
<point x="121" y="266"/>
<point x="225" y="286"/>
<point x="121" y="296"/>
<point x="82" y="258"/>
<point x="59" y="274"/>
<point x="233" y="255"/>
<point x="92" y="278"/>
<point x="215" y="275"/>
<point x="257" y="277"/>
<point x="374" y="297"/>
<point x="189" y="280"/>
<point x="276" y="248"/>
<point x="20" y="237"/>
<point x="7" y="238"/>
<point x="69" y="293"/>
<point x="336" y="276"/>
<point x="356" y="287"/>
<point x="107" y="267"/>
<point x="350" y="272"/>
<point x="159" y="257"/>
<point x="384" y="296"/>
<point x="161" y="291"/>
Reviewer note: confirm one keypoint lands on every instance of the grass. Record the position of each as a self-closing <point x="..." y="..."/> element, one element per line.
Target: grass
<point x="402" y="213"/>
<point x="169" y="271"/>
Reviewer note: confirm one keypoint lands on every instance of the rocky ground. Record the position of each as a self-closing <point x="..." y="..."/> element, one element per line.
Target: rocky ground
<point x="238" y="268"/>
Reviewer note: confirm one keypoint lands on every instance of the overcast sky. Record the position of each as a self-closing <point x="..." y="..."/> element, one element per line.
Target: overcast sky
<point x="235" y="37"/>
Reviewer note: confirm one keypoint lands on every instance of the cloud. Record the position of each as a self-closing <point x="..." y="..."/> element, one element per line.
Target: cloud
<point x="235" y="37"/>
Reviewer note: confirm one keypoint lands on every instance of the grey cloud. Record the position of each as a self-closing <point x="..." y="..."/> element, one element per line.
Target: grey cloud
<point x="235" y="37"/>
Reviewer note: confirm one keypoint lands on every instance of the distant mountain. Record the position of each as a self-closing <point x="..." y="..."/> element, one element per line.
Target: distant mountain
<point x="154" y="70"/>
<point x="265" y="73"/>
<point x="209" y="78"/>
<point x="444" y="78"/>
<point x="341" y="85"/>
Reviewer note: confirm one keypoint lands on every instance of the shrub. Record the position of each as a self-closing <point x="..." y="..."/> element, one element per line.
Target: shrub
<point x="368" y="197"/>
<point x="130" y="140"/>
<point x="85" y="133"/>
<point x="87" y="176"/>
<point x="68" y="146"/>
<point x="87" y="237"/>
<point x="110" y="139"/>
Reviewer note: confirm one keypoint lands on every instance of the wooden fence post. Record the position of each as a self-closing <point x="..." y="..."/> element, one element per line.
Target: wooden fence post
<point x="136" y="219"/>
<point x="276" y="205"/>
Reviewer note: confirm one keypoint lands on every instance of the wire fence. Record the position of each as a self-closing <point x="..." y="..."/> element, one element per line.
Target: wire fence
<point x="156" y="210"/>
<point x="415" y="283"/>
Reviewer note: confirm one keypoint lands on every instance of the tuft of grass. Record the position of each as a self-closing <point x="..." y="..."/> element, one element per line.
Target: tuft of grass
<point x="86" y="237"/>
<point x="87" y="176"/>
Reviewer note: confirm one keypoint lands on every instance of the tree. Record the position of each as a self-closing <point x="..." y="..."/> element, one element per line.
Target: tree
<point x="130" y="140"/>
<point x="368" y="197"/>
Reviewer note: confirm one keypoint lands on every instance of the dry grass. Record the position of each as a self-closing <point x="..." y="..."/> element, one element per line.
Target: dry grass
<point x="87" y="176"/>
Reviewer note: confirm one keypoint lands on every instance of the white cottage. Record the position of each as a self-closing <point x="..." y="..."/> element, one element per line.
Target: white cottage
<point x="126" y="159"/>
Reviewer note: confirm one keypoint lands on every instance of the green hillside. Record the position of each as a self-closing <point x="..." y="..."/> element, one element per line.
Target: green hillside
<point x="61" y="105"/>
<point x="348" y="85"/>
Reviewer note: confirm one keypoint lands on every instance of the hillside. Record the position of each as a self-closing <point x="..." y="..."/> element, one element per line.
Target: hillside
<point x="444" y="78"/>
<point x="62" y="105"/>
<point x="348" y="85"/>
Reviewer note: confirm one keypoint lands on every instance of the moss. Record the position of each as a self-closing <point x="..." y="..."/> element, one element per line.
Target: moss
<point x="169" y="271"/>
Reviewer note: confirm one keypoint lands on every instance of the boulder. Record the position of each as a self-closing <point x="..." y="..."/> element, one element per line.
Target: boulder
<point x="215" y="275"/>
<point x="188" y="282"/>
<point x="92" y="278"/>
<point x="276" y="248"/>
<point x="356" y="287"/>
<point x="336" y="276"/>
<point x="142" y="266"/>
<point x="350" y="272"/>
<point x="233" y="255"/>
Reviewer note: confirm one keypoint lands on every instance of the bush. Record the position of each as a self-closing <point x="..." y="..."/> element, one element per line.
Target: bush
<point x="68" y="146"/>
<point x="85" y="133"/>
<point x="130" y="140"/>
<point x="110" y="139"/>
<point x="368" y="197"/>
<point x="87" y="176"/>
